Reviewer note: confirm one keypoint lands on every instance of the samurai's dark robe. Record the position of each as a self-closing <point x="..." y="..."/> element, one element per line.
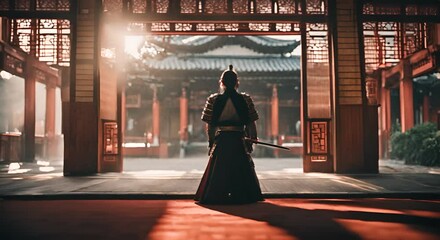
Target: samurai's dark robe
<point x="230" y="175"/>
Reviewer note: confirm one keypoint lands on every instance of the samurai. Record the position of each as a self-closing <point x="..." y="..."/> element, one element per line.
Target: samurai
<point x="230" y="176"/>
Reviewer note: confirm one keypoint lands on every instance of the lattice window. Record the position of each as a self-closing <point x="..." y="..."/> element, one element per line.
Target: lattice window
<point x="216" y="6"/>
<point x="373" y="52"/>
<point x="316" y="6"/>
<point x="24" y="5"/>
<point x="137" y="27"/>
<point x="240" y="6"/>
<point x="139" y="6"/>
<point x="381" y="9"/>
<point x="23" y="34"/>
<point x="188" y="6"/>
<point x="47" y="40"/>
<point x="421" y="10"/>
<point x="373" y="46"/>
<point x="160" y="6"/>
<point x="389" y="34"/>
<point x="287" y="6"/>
<point x="317" y="43"/>
<point x="226" y="27"/>
<point x="205" y="27"/>
<point x="51" y="41"/>
<point x="414" y="38"/>
<point x="388" y="39"/>
<point x="53" y="5"/>
<point x="183" y="27"/>
<point x="112" y="5"/>
<point x="283" y="27"/>
<point x="160" y="27"/>
<point x="259" y="27"/>
<point x="63" y="54"/>
<point x="264" y="6"/>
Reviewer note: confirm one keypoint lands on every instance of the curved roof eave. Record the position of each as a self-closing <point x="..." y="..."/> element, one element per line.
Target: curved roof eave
<point x="260" y="44"/>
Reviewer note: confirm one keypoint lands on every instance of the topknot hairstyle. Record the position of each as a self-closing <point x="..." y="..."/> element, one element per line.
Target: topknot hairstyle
<point x="229" y="78"/>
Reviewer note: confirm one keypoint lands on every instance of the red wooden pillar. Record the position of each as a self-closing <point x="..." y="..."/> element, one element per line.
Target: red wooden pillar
<point x="274" y="113"/>
<point x="50" y="111"/>
<point x="50" y="121"/>
<point x="406" y="104"/>
<point x="275" y="117"/>
<point x="385" y="115"/>
<point x="29" y="113"/>
<point x="183" y="130"/>
<point x="426" y="108"/>
<point x="156" y="117"/>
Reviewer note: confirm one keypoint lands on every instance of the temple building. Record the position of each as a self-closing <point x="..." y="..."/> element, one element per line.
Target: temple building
<point x="70" y="89"/>
<point x="167" y="88"/>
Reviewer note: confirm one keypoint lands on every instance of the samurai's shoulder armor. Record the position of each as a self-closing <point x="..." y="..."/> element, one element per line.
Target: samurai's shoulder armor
<point x="208" y="110"/>
<point x="253" y="114"/>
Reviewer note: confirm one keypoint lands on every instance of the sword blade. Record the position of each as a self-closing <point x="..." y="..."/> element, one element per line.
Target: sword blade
<point x="266" y="144"/>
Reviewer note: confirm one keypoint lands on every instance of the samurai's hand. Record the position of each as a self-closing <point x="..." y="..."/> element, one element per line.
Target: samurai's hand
<point x="249" y="146"/>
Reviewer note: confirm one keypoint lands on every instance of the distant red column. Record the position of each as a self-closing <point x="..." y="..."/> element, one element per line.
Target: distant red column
<point x="275" y="117"/>
<point x="426" y="108"/>
<point x="183" y="116"/>
<point x="406" y="104"/>
<point x="274" y="112"/>
<point x="50" y="122"/>
<point x="50" y="112"/>
<point x="156" y="117"/>
<point x="385" y="123"/>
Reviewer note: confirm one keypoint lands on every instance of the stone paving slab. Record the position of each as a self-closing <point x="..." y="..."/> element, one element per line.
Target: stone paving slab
<point x="277" y="178"/>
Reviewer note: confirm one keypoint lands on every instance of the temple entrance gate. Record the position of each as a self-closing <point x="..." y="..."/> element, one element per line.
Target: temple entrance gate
<point x="337" y="122"/>
<point x="310" y="19"/>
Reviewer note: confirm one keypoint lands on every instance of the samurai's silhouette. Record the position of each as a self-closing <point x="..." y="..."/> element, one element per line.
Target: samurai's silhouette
<point x="230" y="176"/>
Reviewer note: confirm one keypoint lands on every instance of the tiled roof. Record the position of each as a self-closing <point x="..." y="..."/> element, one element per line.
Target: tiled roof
<point x="241" y="64"/>
<point x="200" y="44"/>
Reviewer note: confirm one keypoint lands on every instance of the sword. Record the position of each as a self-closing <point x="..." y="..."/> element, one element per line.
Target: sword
<point x="266" y="144"/>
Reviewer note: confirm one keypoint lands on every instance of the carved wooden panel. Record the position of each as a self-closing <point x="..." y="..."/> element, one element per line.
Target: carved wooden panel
<point x="318" y="137"/>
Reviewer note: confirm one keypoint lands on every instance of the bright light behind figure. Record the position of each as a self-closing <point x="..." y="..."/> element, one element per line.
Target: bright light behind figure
<point x="133" y="44"/>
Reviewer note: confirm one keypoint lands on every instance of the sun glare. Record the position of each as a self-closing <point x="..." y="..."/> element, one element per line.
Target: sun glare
<point x="132" y="45"/>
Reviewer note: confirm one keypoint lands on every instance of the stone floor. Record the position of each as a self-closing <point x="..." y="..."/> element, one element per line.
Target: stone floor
<point x="274" y="219"/>
<point x="172" y="178"/>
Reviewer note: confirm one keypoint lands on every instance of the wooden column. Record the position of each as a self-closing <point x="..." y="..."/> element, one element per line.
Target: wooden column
<point x="352" y="113"/>
<point x="274" y="113"/>
<point x="50" y="143"/>
<point x="385" y="115"/>
<point x="183" y="130"/>
<point x="156" y="117"/>
<point x="406" y="104"/>
<point x="426" y="108"/>
<point x="82" y="155"/>
<point x="50" y="112"/>
<point x="29" y="113"/>
<point x="274" y="118"/>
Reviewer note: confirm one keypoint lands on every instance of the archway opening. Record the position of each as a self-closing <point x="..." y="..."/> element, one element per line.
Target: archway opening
<point x="168" y="80"/>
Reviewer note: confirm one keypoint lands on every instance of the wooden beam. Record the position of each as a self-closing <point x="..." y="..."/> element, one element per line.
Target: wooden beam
<point x="219" y="18"/>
